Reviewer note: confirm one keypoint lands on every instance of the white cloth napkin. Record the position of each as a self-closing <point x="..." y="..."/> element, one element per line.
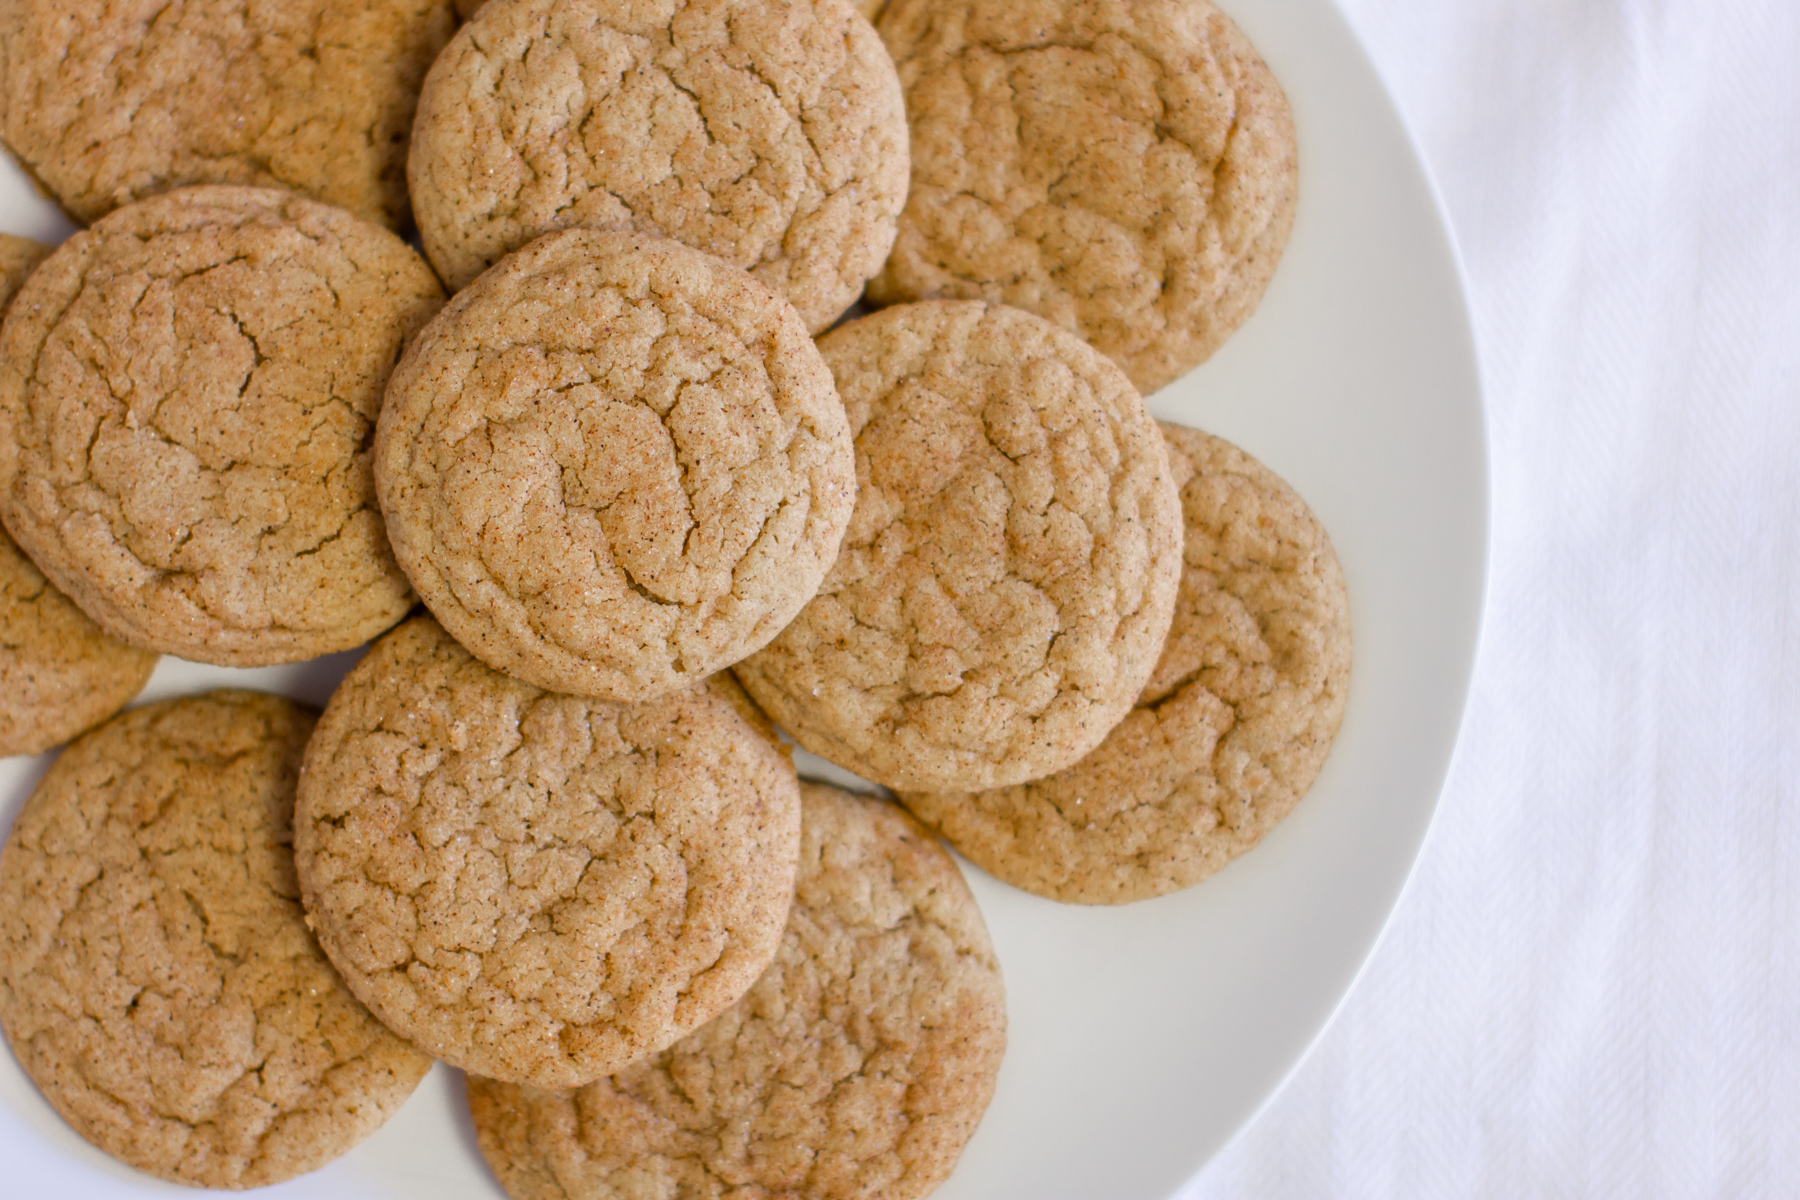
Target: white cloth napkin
<point x="1592" y="985"/>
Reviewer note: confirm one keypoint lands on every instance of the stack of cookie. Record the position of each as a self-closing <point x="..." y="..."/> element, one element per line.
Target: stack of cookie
<point x="541" y="832"/>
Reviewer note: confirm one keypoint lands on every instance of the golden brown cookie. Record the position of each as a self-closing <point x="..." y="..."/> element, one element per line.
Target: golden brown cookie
<point x="109" y="101"/>
<point x="614" y="465"/>
<point x="188" y="394"/>
<point x="769" y="133"/>
<point x="59" y="672"/>
<point x="857" y="1066"/>
<point x="534" y="886"/>
<point x="1126" y="170"/>
<point x="1009" y="573"/>
<point x="1229" y="733"/>
<point x="157" y="980"/>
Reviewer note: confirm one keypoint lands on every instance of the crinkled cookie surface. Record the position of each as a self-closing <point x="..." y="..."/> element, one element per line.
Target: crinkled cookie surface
<point x="1229" y="733"/>
<point x="109" y="101"/>
<point x="188" y="393"/>
<point x="157" y="980"/>
<point x="770" y="133"/>
<point x="533" y="886"/>
<point x="59" y="672"/>
<point x="857" y="1066"/>
<point x="1009" y="573"/>
<point x="1126" y="169"/>
<point x="614" y="465"/>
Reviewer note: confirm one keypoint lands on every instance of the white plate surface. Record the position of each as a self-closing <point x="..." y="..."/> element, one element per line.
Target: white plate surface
<point x="1141" y="1038"/>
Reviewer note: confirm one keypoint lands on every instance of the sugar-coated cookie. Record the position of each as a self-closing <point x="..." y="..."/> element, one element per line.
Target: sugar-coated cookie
<point x="857" y="1066"/>
<point x="109" y="101"/>
<point x="1229" y="733"/>
<point x="157" y="980"/>
<point x="532" y="886"/>
<point x="1009" y="573"/>
<point x="1125" y="169"/>
<point x="614" y="465"/>
<point x="771" y="134"/>
<point x="59" y="672"/>
<point x="188" y="393"/>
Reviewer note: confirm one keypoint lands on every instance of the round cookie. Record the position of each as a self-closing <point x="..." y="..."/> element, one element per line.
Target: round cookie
<point x="857" y="1066"/>
<point x="188" y="393"/>
<point x="1229" y="733"/>
<point x="157" y="979"/>
<point x="1126" y="170"/>
<point x="769" y="133"/>
<point x="614" y="465"/>
<point x="109" y="101"/>
<point x="1009" y="573"/>
<point x="59" y="672"/>
<point x="533" y="886"/>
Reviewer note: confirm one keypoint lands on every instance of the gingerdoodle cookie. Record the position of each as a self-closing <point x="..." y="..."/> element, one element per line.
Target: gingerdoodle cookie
<point x="614" y="465"/>
<point x="770" y="134"/>
<point x="1229" y="733"/>
<point x="109" y="101"/>
<point x="532" y="886"/>
<point x="1009" y="573"/>
<point x="857" y="1066"/>
<point x="188" y="394"/>
<point x="1126" y="170"/>
<point x="157" y="980"/>
<point x="59" y="672"/>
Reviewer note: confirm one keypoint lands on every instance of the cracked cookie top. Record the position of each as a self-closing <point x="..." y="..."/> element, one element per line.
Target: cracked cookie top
<point x="1229" y="733"/>
<point x="1009" y="573"/>
<point x="188" y="394"/>
<point x="770" y="133"/>
<point x="857" y="1066"/>
<point x="614" y="465"/>
<point x="59" y="672"/>
<point x="109" y="101"/>
<point x="1126" y="169"/>
<point x="532" y="886"/>
<point x="157" y="979"/>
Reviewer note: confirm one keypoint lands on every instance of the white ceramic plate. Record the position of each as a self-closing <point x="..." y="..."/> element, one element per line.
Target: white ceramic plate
<point x="1141" y="1038"/>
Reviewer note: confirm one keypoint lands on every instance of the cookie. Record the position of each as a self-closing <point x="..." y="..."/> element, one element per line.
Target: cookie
<point x="59" y="672"/>
<point x="771" y="134"/>
<point x="109" y="101"/>
<point x="1009" y="573"/>
<point x="614" y="465"/>
<point x="1126" y="170"/>
<point x="533" y="886"/>
<point x="188" y="394"/>
<point x="857" y="1066"/>
<point x="1229" y="733"/>
<point x="157" y="980"/>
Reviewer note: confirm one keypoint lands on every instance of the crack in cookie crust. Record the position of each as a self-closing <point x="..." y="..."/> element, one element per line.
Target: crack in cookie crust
<point x="770" y="133"/>
<point x="188" y="395"/>
<point x="110" y="101"/>
<point x="1009" y="572"/>
<point x="534" y="886"/>
<point x="157" y="979"/>
<point x="614" y="465"/>
<point x="1126" y="170"/>
<point x="858" y="1065"/>
<point x="1230" y="731"/>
